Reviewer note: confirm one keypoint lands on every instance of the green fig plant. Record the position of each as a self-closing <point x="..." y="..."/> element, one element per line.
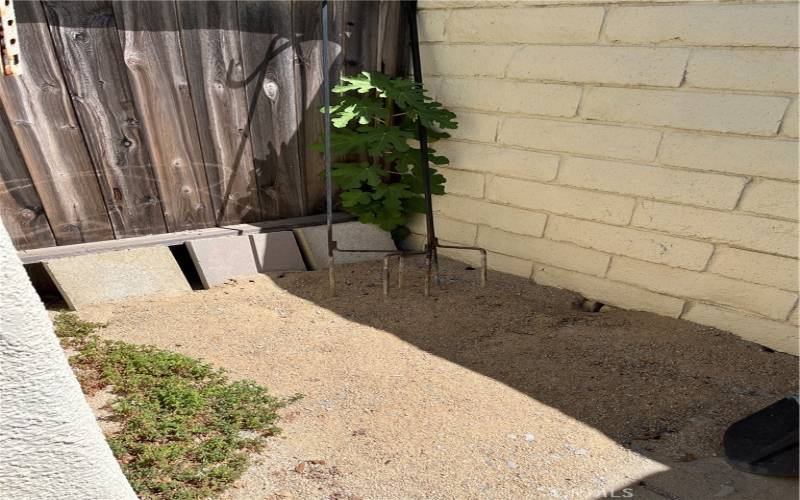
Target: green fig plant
<point x="376" y="152"/>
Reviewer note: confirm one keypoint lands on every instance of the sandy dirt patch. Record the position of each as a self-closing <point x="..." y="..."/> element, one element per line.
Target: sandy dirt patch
<point x="508" y="391"/>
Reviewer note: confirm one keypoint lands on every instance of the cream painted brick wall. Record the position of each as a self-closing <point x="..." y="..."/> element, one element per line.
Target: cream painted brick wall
<point x="581" y="138"/>
<point x="735" y="113"/>
<point x="645" y="245"/>
<point x="747" y="231"/>
<point x="599" y="64"/>
<point x="771" y="198"/>
<point x="756" y="70"/>
<point x="770" y="270"/>
<point x="514" y="25"/>
<point x="561" y="200"/>
<point x="486" y="94"/>
<point x="513" y="220"/>
<point x="780" y="336"/>
<point x="691" y="24"/>
<point x="544" y="251"/>
<point x="499" y="160"/>
<point x="777" y="159"/>
<point x="680" y="186"/>
<point x="770" y="302"/>
<point x="790" y="121"/>
<point x="643" y="154"/>
<point x="616" y="294"/>
<point x="463" y="183"/>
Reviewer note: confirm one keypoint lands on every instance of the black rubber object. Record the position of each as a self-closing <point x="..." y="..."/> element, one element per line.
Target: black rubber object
<point x="766" y="442"/>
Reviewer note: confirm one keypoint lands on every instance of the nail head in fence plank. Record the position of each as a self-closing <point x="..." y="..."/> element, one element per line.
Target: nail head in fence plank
<point x="47" y="132"/>
<point x="151" y="49"/>
<point x="20" y="207"/>
<point x="268" y="53"/>
<point x="308" y="84"/>
<point x="86" y="42"/>
<point x="213" y="56"/>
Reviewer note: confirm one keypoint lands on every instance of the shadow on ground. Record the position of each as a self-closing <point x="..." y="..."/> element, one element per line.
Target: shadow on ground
<point x="664" y="388"/>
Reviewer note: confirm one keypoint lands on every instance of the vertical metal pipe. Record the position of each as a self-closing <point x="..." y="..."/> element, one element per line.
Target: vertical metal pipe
<point x="326" y="100"/>
<point x="411" y="10"/>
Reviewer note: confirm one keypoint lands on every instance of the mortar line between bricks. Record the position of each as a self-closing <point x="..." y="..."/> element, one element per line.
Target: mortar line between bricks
<point x="630" y="86"/>
<point x="541" y="4"/>
<point x="653" y="45"/>
<point x="651" y="163"/>
<point x="697" y="239"/>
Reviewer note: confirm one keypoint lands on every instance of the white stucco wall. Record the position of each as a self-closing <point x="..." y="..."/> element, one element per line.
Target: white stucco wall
<point x="50" y="443"/>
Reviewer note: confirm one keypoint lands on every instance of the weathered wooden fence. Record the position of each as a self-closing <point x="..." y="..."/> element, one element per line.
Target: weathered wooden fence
<point x="136" y="118"/>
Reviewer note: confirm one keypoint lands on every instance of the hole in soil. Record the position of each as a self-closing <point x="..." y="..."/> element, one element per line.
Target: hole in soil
<point x="185" y="262"/>
<point x="588" y="305"/>
<point x="45" y="287"/>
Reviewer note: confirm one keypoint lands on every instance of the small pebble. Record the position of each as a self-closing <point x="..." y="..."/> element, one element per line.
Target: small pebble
<point x="529" y="437"/>
<point x="511" y="465"/>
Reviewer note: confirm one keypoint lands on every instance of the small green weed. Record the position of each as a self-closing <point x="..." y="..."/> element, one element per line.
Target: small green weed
<point x="186" y="429"/>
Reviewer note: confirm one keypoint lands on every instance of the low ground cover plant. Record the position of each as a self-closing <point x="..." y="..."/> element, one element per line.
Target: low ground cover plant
<point x="377" y="161"/>
<point x="185" y="429"/>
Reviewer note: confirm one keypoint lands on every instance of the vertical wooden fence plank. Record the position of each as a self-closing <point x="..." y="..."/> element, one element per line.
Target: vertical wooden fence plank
<point x="151" y="49"/>
<point x="44" y="124"/>
<point x="393" y="39"/>
<point x="87" y="44"/>
<point x="213" y="57"/>
<point x="20" y="207"/>
<point x="308" y="83"/>
<point x="360" y="29"/>
<point x="267" y="49"/>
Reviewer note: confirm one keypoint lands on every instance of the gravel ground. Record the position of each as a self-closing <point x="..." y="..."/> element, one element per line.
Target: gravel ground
<point x="508" y="391"/>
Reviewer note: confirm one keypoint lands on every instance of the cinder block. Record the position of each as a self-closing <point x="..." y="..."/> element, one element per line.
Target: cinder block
<point x="561" y="200"/>
<point x="277" y="251"/>
<point x="543" y="251"/>
<point x="218" y="260"/>
<point x="313" y="242"/>
<point x="756" y="233"/>
<point x="510" y="25"/>
<point x="719" y="112"/>
<point x="780" y="336"/>
<point x="770" y="270"/>
<point x="113" y="276"/>
<point x="777" y="159"/>
<point x="465" y="60"/>
<point x="644" y="245"/>
<point x="771" y="198"/>
<point x="770" y="302"/>
<point x="499" y="160"/>
<point x="486" y="94"/>
<point x="694" y="188"/>
<point x="503" y="217"/>
<point x="594" y="64"/>
<point x="582" y="138"/>
<point x="715" y="24"/>
<point x="609" y="292"/>
<point x="759" y="70"/>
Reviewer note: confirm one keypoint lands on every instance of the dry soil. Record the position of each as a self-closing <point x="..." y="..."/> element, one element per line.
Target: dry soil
<point x="504" y="392"/>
